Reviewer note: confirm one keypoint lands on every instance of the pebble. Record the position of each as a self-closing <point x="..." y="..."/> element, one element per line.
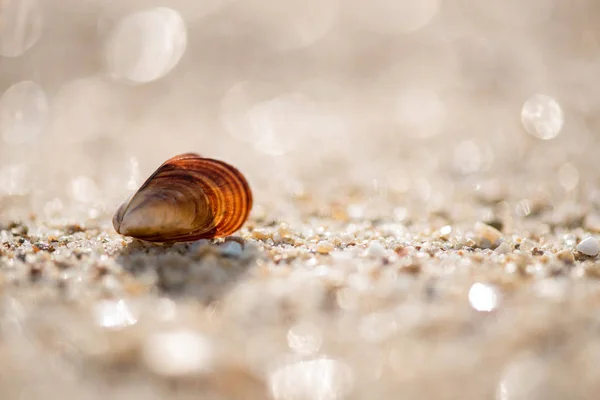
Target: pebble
<point x="324" y="247"/>
<point x="486" y="236"/>
<point x="589" y="246"/>
<point x="504" y="248"/>
<point x="347" y="238"/>
<point x="285" y="231"/>
<point x="375" y="249"/>
<point x="444" y="232"/>
<point x="526" y="245"/>
<point x="565" y="256"/>
<point x="261" y="234"/>
<point x="231" y="248"/>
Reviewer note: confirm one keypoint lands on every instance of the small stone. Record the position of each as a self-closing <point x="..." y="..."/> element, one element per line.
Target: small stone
<point x="503" y="248"/>
<point x="536" y="251"/>
<point x="347" y="238"/>
<point x="487" y="237"/>
<point x="324" y="247"/>
<point x="285" y="232"/>
<point x="444" y="232"/>
<point x="375" y="249"/>
<point x="589" y="246"/>
<point x="401" y="251"/>
<point x="231" y="248"/>
<point x="336" y="241"/>
<point x="565" y="256"/>
<point x="261" y="234"/>
<point x="526" y="245"/>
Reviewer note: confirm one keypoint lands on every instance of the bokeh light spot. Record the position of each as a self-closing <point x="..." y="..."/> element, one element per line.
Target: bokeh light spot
<point x="146" y="46"/>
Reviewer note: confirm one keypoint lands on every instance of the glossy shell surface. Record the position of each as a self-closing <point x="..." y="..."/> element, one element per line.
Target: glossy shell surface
<point x="187" y="198"/>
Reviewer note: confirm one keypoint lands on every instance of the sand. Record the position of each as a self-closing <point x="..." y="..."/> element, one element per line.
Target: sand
<point x="341" y="307"/>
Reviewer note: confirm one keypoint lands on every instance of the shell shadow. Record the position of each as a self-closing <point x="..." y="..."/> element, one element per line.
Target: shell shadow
<point x="203" y="270"/>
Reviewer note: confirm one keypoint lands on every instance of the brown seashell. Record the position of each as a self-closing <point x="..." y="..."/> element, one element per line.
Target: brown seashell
<point x="187" y="198"/>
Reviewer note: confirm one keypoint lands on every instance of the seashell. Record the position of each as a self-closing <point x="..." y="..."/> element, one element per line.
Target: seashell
<point x="187" y="198"/>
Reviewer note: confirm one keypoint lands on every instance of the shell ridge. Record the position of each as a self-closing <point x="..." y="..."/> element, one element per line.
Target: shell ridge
<point x="216" y="197"/>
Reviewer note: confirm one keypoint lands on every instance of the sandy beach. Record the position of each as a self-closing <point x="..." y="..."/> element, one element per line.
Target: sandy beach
<point x="426" y="206"/>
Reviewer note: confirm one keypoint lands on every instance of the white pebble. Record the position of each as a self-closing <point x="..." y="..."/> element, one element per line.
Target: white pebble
<point x="178" y="353"/>
<point x="504" y="248"/>
<point x="376" y="249"/>
<point x="487" y="236"/>
<point x="589" y="246"/>
<point x="231" y="248"/>
<point x="347" y="238"/>
<point x="445" y="231"/>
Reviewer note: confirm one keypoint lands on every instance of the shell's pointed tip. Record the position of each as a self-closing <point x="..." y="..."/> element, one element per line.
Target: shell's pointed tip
<point x="116" y="226"/>
<point x="123" y="229"/>
<point x="118" y="217"/>
<point x="136" y="223"/>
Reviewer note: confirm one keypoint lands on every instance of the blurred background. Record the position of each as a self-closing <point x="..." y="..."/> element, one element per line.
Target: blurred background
<point x="405" y="98"/>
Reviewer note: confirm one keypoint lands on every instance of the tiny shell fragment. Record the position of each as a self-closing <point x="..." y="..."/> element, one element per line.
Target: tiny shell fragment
<point x="589" y="246"/>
